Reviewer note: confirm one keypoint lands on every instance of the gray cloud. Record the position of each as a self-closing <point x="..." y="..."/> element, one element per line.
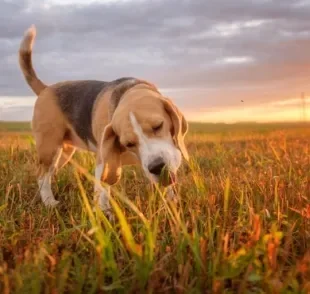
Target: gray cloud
<point x="174" y="43"/>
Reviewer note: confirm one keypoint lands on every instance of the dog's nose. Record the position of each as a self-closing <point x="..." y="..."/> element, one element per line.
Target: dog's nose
<point x="156" y="167"/>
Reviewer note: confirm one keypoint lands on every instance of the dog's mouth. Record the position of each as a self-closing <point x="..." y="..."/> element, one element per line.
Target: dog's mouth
<point x="167" y="178"/>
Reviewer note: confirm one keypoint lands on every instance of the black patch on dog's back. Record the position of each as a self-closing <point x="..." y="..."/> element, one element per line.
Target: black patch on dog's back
<point x="77" y="98"/>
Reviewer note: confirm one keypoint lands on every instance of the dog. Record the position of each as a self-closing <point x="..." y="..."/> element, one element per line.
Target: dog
<point x="124" y="122"/>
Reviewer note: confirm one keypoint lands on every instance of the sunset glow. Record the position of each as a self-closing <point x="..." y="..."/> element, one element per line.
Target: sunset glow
<point x="219" y="61"/>
<point x="20" y="109"/>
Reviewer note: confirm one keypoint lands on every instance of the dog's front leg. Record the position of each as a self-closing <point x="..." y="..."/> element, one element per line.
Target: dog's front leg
<point x="102" y="194"/>
<point x="172" y="194"/>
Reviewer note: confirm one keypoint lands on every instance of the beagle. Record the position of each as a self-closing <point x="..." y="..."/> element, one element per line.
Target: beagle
<point x="126" y="121"/>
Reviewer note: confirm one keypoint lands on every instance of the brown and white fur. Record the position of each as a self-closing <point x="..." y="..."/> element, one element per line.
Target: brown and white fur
<point x="126" y="121"/>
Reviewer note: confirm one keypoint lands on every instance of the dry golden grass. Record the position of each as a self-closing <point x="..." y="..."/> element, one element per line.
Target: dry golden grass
<point x="242" y="224"/>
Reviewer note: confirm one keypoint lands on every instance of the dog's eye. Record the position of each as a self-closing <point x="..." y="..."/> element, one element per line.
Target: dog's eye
<point x="130" y="145"/>
<point x="158" y="127"/>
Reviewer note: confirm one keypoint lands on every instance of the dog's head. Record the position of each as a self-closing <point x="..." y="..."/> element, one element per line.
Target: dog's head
<point x="152" y="128"/>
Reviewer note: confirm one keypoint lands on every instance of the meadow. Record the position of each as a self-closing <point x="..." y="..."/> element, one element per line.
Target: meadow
<point x="242" y="223"/>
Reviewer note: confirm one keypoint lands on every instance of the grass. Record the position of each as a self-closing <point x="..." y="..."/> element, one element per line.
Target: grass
<point x="19" y="127"/>
<point x="242" y="224"/>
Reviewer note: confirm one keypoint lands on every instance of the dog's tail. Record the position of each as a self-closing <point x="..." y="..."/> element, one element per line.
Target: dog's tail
<point x="25" y="61"/>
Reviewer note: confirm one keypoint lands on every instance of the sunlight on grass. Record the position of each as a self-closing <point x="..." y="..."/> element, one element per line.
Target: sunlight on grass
<point x="242" y="223"/>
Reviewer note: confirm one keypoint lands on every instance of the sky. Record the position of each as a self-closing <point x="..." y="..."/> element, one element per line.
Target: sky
<point x="219" y="61"/>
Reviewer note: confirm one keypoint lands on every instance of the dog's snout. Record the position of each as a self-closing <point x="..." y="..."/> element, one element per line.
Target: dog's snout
<point x="156" y="167"/>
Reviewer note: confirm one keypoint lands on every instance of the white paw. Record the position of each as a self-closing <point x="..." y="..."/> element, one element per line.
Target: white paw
<point x="107" y="211"/>
<point x="109" y="215"/>
<point x="102" y="200"/>
<point x="51" y="203"/>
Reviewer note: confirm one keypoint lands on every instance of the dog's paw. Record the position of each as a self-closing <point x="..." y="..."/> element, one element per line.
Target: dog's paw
<point x="51" y="203"/>
<point x="107" y="211"/>
<point x="109" y="215"/>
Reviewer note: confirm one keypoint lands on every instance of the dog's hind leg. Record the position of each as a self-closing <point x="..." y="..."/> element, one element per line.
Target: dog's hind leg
<point x="49" y="128"/>
<point x="47" y="168"/>
<point x="49" y="145"/>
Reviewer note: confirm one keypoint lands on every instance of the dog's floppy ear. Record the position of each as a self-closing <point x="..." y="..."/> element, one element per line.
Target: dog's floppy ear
<point x="110" y="152"/>
<point x="180" y="126"/>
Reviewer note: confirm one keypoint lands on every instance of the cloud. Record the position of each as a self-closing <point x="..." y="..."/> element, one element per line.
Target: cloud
<point x="235" y="60"/>
<point x="204" y="53"/>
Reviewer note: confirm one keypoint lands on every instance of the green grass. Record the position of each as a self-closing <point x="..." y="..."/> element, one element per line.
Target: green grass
<point x="15" y="126"/>
<point x="242" y="224"/>
<point x="195" y="127"/>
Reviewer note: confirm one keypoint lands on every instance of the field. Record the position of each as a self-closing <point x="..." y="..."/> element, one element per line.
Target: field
<point x="242" y="223"/>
